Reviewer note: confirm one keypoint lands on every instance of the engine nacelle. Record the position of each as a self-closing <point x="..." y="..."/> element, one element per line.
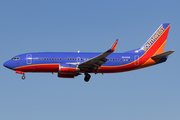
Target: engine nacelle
<point x="67" y="72"/>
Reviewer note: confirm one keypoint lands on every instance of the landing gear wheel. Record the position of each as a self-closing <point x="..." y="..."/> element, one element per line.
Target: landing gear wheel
<point x="87" y="77"/>
<point x="23" y="77"/>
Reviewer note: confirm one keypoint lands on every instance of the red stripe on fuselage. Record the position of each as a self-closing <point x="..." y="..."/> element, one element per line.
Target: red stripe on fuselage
<point x="39" y="68"/>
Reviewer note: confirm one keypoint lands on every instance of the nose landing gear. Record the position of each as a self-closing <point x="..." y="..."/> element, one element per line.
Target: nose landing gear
<point x="23" y="77"/>
<point x="21" y="72"/>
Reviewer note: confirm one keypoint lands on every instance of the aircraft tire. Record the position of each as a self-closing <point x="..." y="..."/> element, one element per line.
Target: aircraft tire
<point x="23" y="77"/>
<point x="87" y="77"/>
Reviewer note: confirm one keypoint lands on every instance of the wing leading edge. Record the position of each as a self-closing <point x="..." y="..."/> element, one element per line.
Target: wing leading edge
<point x="97" y="61"/>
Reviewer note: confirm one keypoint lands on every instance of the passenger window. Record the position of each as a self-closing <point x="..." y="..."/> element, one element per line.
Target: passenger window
<point x="44" y="58"/>
<point x="57" y="58"/>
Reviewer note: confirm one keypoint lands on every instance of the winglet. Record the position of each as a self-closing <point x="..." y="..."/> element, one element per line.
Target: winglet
<point x="113" y="47"/>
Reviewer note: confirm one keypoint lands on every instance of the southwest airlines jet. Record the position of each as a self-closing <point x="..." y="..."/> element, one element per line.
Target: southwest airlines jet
<point x="70" y="65"/>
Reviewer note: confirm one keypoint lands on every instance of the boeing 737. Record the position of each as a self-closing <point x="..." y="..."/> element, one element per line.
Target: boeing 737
<point x="70" y="65"/>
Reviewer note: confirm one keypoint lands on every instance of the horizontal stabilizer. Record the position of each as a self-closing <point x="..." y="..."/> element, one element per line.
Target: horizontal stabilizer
<point x="163" y="55"/>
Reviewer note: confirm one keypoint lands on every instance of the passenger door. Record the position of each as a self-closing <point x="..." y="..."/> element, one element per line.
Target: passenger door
<point x="136" y="60"/>
<point x="29" y="59"/>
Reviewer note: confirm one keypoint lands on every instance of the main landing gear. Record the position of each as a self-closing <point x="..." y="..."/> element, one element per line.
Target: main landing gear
<point x="87" y="77"/>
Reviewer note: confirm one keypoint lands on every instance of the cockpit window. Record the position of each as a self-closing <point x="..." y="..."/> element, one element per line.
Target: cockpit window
<point x="15" y="58"/>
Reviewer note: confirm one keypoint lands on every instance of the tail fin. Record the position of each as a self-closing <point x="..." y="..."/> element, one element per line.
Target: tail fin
<point x="156" y="43"/>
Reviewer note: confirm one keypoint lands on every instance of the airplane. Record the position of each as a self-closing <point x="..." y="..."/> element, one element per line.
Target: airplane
<point x="70" y="65"/>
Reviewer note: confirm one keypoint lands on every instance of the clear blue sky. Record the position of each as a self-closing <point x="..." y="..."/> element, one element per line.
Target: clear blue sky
<point x="89" y="26"/>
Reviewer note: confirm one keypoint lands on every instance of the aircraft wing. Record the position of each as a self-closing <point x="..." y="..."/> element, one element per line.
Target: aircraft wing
<point x="163" y="55"/>
<point x="97" y="61"/>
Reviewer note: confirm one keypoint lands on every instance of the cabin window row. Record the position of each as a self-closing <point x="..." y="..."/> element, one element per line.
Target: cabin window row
<point x="118" y="59"/>
<point x="78" y="59"/>
<point x="47" y="59"/>
<point x="60" y="59"/>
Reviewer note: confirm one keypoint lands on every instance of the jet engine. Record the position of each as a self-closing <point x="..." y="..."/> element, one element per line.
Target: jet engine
<point x="68" y="72"/>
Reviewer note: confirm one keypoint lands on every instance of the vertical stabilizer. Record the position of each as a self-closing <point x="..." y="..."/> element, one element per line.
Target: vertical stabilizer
<point x="157" y="41"/>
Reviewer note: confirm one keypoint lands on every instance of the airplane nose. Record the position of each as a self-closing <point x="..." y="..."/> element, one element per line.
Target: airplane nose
<point x="7" y="64"/>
